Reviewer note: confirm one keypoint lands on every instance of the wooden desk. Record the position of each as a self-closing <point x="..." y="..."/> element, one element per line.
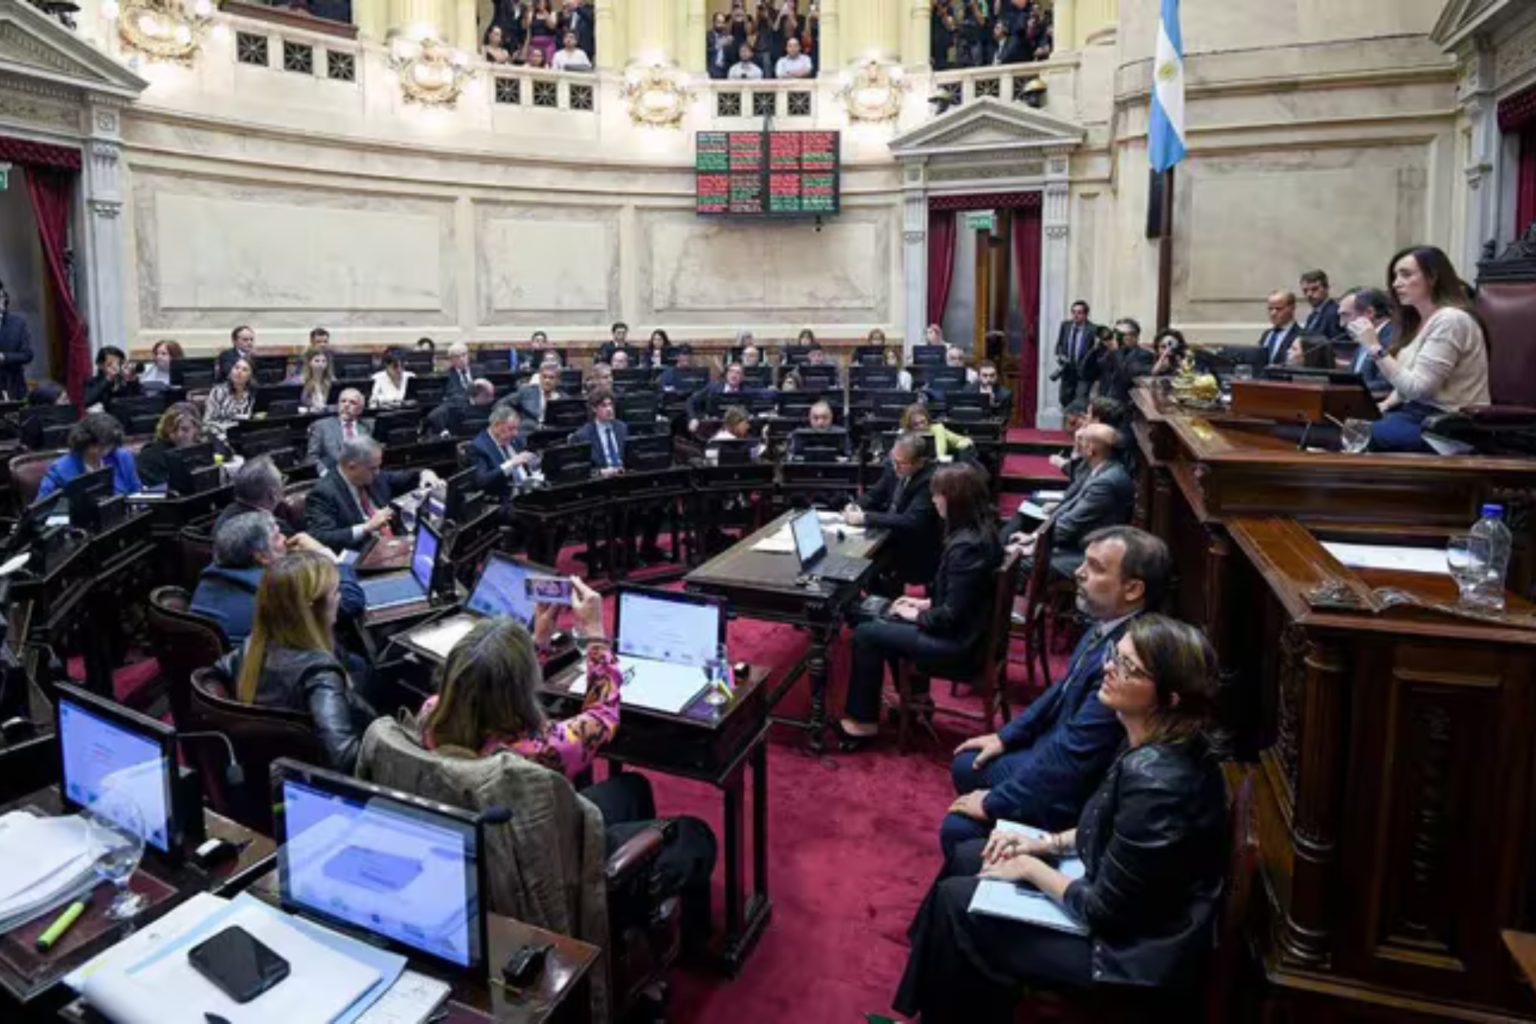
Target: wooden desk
<point x="1522" y="946"/>
<point x="761" y="585"/>
<point x="42" y="990"/>
<point x="713" y="744"/>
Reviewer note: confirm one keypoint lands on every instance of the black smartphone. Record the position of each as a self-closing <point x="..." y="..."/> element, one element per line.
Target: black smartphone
<point x="239" y="963"/>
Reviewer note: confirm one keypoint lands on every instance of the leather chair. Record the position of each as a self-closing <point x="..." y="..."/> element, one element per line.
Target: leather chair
<point x="296" y="497"/>
<point x="27" y="471"/>
<point x="195" y="546"/>
<point x="988" y="675"/>
<point x="1035" y="627"/>
<point x="183" y="642"/>
<point x="260" y="735"/>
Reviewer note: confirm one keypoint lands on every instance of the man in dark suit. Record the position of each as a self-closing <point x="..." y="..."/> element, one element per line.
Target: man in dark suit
<point x="258" y="487"/>
<point x="533" y="396"/>
<point x="618" y="339"/>
<point x="456" y="389"/>
<point x="605" y="433"/>
<point x="15" y="349"/>
<point x="682" y="359"/>
<point x="1120" y="366"/>
<point x="447" y="418"/>
<point x="1042" y="766"/>
<point x="700" y="403"/>
<point x="1101" y="494"/>
<point x="242" y="346"/>
<point x="351" y="504"/>
<point x="987" y="382"/>
<point x="328" y="435"/>
<point x="1282" y="334"/>
<point x="1374" y="306"/>
<point x="902" y="503"/>
<point x="580" y="19"/>
<point x="1323" y="321"/>
<point x="819" y="420"/>
<point x="498" y="455"/>
<point x="1075" y="344"/>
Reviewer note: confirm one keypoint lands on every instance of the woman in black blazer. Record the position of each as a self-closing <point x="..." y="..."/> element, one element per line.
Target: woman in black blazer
<point x="942" y="632"/>
<point x="180" y="426"/>
<point x="1153" y="845"/>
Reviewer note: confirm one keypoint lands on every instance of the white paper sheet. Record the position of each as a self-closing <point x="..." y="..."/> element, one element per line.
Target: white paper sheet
<point x="138" y="946"/>
<point x="1388" y="556"/>
<point x="780" y="542"/>
<point x="410" y="1000"/>
<point x="655" y="685"/>
<point x="1034" y="511"/>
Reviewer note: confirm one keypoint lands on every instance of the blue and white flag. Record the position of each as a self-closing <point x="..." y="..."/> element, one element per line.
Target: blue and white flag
<point x="1167" y="131"/>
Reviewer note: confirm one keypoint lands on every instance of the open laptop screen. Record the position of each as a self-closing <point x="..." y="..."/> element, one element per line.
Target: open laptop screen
<point x="809" y="542"/>
<point x="675" y="628"/>
<point x="424" y="555"/>
<point x="117" y="753"/>
<point x="501" y="590"/>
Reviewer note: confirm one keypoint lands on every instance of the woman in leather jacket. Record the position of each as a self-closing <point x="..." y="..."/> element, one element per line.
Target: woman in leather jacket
<point x="289" y="660"/>
<point x="1152" y="840"/>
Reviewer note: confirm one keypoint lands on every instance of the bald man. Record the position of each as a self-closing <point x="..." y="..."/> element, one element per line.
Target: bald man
<point x="1103" y="494"/>
<point x="1283" y="330"/>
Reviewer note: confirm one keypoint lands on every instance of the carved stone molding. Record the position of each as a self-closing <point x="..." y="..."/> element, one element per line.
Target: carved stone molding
<point x="969" y="172"/>
<point x="44" y="112"/>
<point x="106" y="122"/>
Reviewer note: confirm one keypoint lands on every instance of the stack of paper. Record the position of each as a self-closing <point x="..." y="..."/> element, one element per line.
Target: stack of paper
<point x="658" y="685"/>
<point x="48" y="862"/>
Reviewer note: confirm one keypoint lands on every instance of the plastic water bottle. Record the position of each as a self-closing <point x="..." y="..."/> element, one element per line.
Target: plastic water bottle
<point x="1491" y="531"/>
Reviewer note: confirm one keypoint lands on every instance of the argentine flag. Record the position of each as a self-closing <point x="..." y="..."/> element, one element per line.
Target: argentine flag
<point x="1167" y="131"/>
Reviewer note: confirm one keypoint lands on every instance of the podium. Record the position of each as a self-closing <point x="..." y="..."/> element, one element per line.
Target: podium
<point x="1302" y="401"/>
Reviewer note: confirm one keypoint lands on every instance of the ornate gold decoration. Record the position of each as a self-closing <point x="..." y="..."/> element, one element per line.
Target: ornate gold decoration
<point x="657" y="95"/>
<point x="169" y="30"/>
<point x="875" y="92"/>
<point x="431" y="72"/>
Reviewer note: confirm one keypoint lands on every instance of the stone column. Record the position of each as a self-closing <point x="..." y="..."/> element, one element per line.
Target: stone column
<point x="464" y="25"/>
<point x="652" y="29"/>
<point x="915" y="39"/>
<point x="1484" y="165"/>
<point x="830" y="38"/>
<point x="406" y="14"/>
<point x="872" y="28"/>
<point x="611" y="47"/>
<point x="1055" y="214"/>
<point x="1093" y="19"/>
<point x="103" y="180"/>
<point x="695" y="23"/>
<point x="1066" y="24"/>
<point x="914" y="251"/>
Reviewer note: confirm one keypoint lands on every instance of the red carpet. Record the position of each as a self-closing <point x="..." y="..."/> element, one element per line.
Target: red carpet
<point x="1029" y="435"/>
<point x="1031" y="467"/>
<point x="853" y="846"/>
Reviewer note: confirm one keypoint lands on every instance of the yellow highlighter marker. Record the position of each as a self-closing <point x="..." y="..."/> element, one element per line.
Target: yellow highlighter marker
<point x="61" y="925"/>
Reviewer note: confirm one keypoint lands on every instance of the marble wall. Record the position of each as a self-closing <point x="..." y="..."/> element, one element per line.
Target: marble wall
<point x="23" y="269"/>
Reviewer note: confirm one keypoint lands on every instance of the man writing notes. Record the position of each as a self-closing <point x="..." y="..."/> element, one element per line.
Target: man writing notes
<point x="1040" y="767"/>
<point x="497" y="454"/>
<point x="903" y="504"/>
<point x="352" y="503"/>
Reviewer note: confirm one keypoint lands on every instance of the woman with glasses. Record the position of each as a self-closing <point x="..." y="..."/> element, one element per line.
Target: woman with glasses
<point x="1152" y="846"/>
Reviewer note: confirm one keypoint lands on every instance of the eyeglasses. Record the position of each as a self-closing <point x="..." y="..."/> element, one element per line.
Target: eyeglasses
<point x="1124" y="667"/>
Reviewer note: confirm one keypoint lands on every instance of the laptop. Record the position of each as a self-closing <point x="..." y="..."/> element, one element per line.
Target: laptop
<point x="415" y="584"/>
<point x="499" y="590"/>
<point x="408" y="871"/>
<point x="663" y="640"/>
<point x="811" y="546"/>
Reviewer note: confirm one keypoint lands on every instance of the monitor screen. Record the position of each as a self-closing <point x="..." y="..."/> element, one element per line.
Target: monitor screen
<point x="424" y="555"/>
<point x="665" y="627"/>
<point x="102" y="754"/>
<point x="501" y="591"/>
<point x="769" y="173"/>
<point x="809" y="542"/>
<point x="396" y="869"/>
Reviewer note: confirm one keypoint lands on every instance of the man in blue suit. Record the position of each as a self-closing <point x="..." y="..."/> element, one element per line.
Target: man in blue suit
<point x="604" y="432"/>
<point x="1375" y="307"/>
<point x="15" y="349"/>
<point x="1282" y="334"/>
<point x="1042" y="766"/>
<point x="497" y="453"/>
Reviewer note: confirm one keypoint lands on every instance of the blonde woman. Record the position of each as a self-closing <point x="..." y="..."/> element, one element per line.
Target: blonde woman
<point x="317" y="379"/>
<point x="946" y="443"/>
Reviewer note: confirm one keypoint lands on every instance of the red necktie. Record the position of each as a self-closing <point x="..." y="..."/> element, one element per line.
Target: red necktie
<point x="350" y="434"/>
<point x="368" y="510"/>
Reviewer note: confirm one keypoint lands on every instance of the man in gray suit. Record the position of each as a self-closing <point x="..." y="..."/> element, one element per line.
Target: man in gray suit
<point x="328" y="435"/>
<point x="1103" y="494"/>
<point x="532" y="397"/>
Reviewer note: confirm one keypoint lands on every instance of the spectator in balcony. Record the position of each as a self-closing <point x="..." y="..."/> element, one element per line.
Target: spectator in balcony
<point x="577" y="17"/>
<point x="944" y="38"/>
<point x="746" y="65"/>
<point x="719" y="45"/>
<point x="495" y="50"/>
<point x="794" y="63"/>
<point x="1037" y="37"/>
<point x="535" y="58"/>
<point x="543" y="30"/>
<point x="571" y="57"/>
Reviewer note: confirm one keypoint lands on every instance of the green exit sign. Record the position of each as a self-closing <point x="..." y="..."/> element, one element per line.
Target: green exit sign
<point x="981" y="220"/>
<point x="5" y="177"/>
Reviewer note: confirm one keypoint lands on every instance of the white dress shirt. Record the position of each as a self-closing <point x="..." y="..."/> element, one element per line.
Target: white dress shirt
<point x="384" y="390"/>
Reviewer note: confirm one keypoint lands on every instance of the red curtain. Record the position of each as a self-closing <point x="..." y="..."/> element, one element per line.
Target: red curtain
<point x="1525" y="185"/>
<point x="52" y="200"/>
<point x="941" y="263"/>
<point x="1026" y="262"/>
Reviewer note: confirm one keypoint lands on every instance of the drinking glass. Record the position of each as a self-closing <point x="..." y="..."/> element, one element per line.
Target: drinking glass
<point x="1467" y="561"/>
<point x="115" y="829"/>
<point x="717" y="676"/>
<point x="1356" y="435"/>
<point x="1242" y="371"/>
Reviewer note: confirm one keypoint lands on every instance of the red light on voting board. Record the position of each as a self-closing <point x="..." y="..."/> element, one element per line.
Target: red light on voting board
<point x="766" y="173"/>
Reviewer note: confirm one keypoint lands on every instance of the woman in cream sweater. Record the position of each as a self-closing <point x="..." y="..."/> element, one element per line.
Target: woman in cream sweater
<point x="1438" y="359"/>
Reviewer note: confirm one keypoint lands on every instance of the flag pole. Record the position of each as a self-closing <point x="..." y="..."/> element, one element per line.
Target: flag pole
<point x="1165" y="254"/>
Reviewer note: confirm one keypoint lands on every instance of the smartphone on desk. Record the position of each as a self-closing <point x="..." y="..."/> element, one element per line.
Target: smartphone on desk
<point x="240" y="964"/>
<point x="548" y="590"/>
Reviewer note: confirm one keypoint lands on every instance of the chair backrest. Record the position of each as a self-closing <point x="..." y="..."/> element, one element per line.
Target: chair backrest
<point x="195" y="544"/>
<point x="260" y="735"/>
<point x="296" y="497"/>
<point x="1509" y="310"/>
<point x="1003" y="581"/>
<point x="1227" y="965"/>
<point x="1038" y="585"/>
<point x="27" y="471"/>
<point x="183" y="641"/>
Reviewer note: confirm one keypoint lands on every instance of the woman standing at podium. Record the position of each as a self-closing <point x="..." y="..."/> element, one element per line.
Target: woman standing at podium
<point x="1438" y="358"/>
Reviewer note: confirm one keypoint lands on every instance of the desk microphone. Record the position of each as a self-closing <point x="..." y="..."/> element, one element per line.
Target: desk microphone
<point x="233" y="773"/>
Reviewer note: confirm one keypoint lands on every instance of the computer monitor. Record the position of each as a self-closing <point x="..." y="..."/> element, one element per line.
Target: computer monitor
<point x="46" y="512"/>
<point x="183" y="462"/>
<point x="471" y="421"/>
<point x="570" y="382"/>
<point x="269" y="396"/>
<point x="535" y="358"/>
<point x="425" y="390"/>
<point x="85" y="492"/>
<point x="648" y="451"/>
<point x="252" y="443"/>
<point x="352" y="366"/>
<point x="51" y="416"/>
<point x="565" y="412"/>
<point x="637" y="407"/>
<point x="810" y="542"/>
<point x="631" y="378"/>
<point x="493" y="360"/>
<point x="108" y="750"/>
<point x="820" y="445"/>
<point x="665" y="625"/>
<point x="193" y="371"/>
<point x="869" y="355"/>
<point x="363" y="386"/>
<point x="407" y="870"/>
<point x="873" y="378"/>
<point x="734" y="452"/>
<point x="425" y="553"/>
<point x="794" y="355"/>
<point x="126" y="409"/>
<point x="967" y="405"/>
<point x="566" y="463"/>
<point x="687" y="379"/>
<point x="500" y="589"/>
<point x="796" y="405"/>
<point x="818" y="378"/>
<point x="419" y="363"/>
<point x="882" y="443"/>
<point x="929" y="355"/>
<point x="945" y="378"/>
<point x="270" y="369"/>
<point x="759" y="376"/>
<point x="458" y="494"/>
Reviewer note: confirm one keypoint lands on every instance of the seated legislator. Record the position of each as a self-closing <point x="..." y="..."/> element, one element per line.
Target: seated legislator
<point x="604" y="432"/>
<point x="315" y="379"/>
<point x="892" y="358"/>
<point x="231" y="400"/>
<point x="987" y="383"/>
<point x="326" y="436"/>
<point x="289" y="660"/>
<point x="389" y="383"/>
<point x="353" y="503"/>
<point x="446" y="419"/>
<point x="1152" y="839"/>
<point x="902" y="503"/>
<point x="944" y="630"/>
<point x="1374" y="306"/>
<point x="487" y="706"/>
<point x="599" y="377"/>
<point x="682" y="359"/>
<point x="1040" y="767"/>
<point x="1101" y="409"/>
<point x="113" y="379"/>
<point x="532" y="397"/>
<point x="1283" y="332"/>
<point x="242" y="345"/>
<point x="180" y="426"/>
<point x="1101" y="494"/>
<point x="818" y="421"/>
<point x="244" y="546"/>
<point x="157" y="375"/>
<point x="456" y="389"/>
<point x="735" y="425"/>
<point x="258" y="487"/>
<point x="1439" y="360"/>
<point x="498" y="455"/>
<point x="946" y="443"/>
<point x="94" y="443"/>
<point x="700" y="404"/>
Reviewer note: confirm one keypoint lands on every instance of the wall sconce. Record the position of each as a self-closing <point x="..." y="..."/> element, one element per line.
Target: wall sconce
<point x="170" y="30"/>
<point x="875" y="92"/>
<point x="431" y="72"/>
<point x="658" y="96"/>
<point x="1035" y="92"/>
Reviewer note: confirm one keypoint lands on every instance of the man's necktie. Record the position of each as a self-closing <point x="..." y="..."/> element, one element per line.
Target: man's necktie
<point x="348" y="430"/>
<point x="610" y="449"/>
<point x="369" y="509"/>
<point x="1077" y="344"/>
<point x="901" y="487"/>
